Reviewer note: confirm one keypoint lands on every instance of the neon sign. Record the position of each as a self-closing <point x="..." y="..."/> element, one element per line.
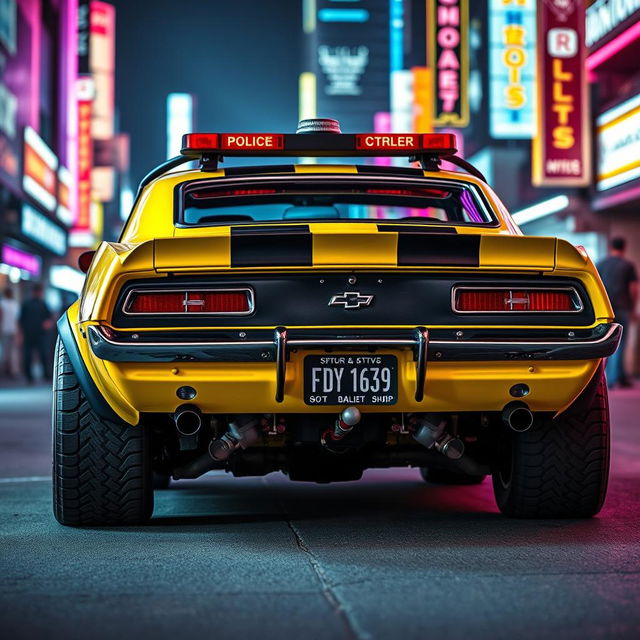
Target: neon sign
<point x="618" y="139"/>
<point x="561" y="147"/>
<point x="447" y="24"/>
<point x="512" y="39"/>
<point x="21" y="259"/>
<point x="39" y="178"/>
<point x="41" y="230"/>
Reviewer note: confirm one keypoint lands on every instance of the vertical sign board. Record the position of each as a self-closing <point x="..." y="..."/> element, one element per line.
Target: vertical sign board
<point x="102" y="65"/>
<point x="81" y="234"/>
<point x="561" y="150"/>
<point x="447" y="30"/>
<point x="512" y="68"/>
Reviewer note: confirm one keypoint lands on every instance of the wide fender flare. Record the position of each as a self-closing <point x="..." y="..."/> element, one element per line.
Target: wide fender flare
<point x="91" y="392"/>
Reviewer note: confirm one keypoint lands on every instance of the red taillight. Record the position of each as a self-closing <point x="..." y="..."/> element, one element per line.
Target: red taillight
<point x="217" y="302"/>
<point x="189" y="302"/>
<point x="488" y="300"/>
<point x="156" y="303"/>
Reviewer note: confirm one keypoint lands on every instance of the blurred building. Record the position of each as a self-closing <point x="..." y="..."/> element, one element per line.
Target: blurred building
<point x="613" y="38"/>
<point x="60" y="154"/>
<point x="37" y="134"/>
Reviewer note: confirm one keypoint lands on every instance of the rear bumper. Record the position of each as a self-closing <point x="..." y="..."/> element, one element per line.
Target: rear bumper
<point x="262" y="372"/>
<point x="474" y="345"/>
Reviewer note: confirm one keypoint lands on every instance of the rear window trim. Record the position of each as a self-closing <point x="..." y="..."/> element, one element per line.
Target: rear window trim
<point x="479" y="196"/>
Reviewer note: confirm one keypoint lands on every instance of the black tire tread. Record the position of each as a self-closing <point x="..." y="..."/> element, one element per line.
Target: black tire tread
<point x="101" y="473"/>
<point x="561" y="467"/>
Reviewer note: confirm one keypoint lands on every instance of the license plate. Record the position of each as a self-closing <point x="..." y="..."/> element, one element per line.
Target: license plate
<point x="350" y="379"/>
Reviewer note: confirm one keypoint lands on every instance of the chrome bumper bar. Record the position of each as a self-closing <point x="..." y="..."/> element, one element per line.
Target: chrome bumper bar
<point x="276" y="345"/>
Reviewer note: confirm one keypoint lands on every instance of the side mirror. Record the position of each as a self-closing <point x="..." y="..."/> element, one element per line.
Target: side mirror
<point x="84" y="260"/>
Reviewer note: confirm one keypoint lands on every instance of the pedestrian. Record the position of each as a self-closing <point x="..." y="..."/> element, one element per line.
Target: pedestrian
<point x="621" y="282"/>
<point x="35" y="322"/>
<point x="9" y="312"/>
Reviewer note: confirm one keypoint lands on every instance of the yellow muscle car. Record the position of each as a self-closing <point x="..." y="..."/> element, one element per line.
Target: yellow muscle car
<point x="322" y="319"/>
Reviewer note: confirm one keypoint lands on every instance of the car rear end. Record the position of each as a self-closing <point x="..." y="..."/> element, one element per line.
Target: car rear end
<point x="321" y="320"/>
<point x="303" y="317"/>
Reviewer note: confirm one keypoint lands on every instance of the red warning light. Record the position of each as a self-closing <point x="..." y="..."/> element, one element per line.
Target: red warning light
<point x="438" y="141"/>
<point x="201" y="141"/>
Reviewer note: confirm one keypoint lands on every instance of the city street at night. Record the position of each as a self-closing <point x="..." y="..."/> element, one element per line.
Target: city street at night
<point x="319" y="319"/>
<point x="386" y="557"/>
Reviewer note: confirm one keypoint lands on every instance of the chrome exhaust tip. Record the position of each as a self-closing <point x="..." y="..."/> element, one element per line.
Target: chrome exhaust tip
<point x="188" y="419"/>
<point x="517" y="416"/>
<point x="346" y="421"/>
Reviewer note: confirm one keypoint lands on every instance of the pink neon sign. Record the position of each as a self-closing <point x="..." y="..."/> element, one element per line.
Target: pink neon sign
<point x="21" y="259"/>
<point x="615" y="46"/>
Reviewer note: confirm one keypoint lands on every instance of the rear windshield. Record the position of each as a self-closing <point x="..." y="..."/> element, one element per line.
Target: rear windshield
<point x="204" y="204"/>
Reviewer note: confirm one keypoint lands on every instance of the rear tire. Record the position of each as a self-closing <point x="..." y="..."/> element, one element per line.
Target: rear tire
<point x="101" y="469"/>
<point x="445" y="476"/>
<point x="559" y="468"/>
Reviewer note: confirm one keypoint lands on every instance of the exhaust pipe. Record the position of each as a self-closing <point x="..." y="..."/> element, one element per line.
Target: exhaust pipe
<point x="348" y="419"/>
<point x="243" y="432"/>
<point x="432" y="435"/>
<point x="188" y="419"/>
<point x="517" y="416"/>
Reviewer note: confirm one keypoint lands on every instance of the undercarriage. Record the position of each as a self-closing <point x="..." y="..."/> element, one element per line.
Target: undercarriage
<point x="329" y="447"/>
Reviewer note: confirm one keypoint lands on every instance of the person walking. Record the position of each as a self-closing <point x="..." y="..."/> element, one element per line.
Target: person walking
<point x="9" y="312"/>
<point x="35" y="322"/>
<point x="621" y="282"/>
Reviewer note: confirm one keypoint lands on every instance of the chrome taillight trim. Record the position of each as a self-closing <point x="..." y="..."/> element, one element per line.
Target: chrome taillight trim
<point x="248" y="291"/>
<point x="575" y="297"/>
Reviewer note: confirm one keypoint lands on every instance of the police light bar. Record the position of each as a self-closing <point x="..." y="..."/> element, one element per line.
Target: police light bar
<point x="319" y="144"/>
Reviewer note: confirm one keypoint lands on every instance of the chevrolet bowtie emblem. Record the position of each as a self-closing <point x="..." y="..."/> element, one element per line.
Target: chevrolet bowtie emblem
<point x="350" y="300"/>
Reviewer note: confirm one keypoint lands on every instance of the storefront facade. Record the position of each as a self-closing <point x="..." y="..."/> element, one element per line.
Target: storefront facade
<point x="613" y="37"/>
<point x="37" y="141"/>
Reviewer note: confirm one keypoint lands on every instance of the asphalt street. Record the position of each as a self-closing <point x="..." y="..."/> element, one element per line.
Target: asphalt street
<point x="386" y="557"/>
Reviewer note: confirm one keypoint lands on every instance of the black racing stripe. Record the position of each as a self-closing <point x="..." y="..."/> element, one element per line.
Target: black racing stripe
<point x="269" y="229"/>
<point x="423" y="228"/>
<point x="272" y="246"/>
<point x="438" y="250"/>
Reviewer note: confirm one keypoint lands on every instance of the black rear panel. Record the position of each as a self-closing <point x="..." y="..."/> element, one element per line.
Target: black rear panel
<point x="397" y="299"/>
